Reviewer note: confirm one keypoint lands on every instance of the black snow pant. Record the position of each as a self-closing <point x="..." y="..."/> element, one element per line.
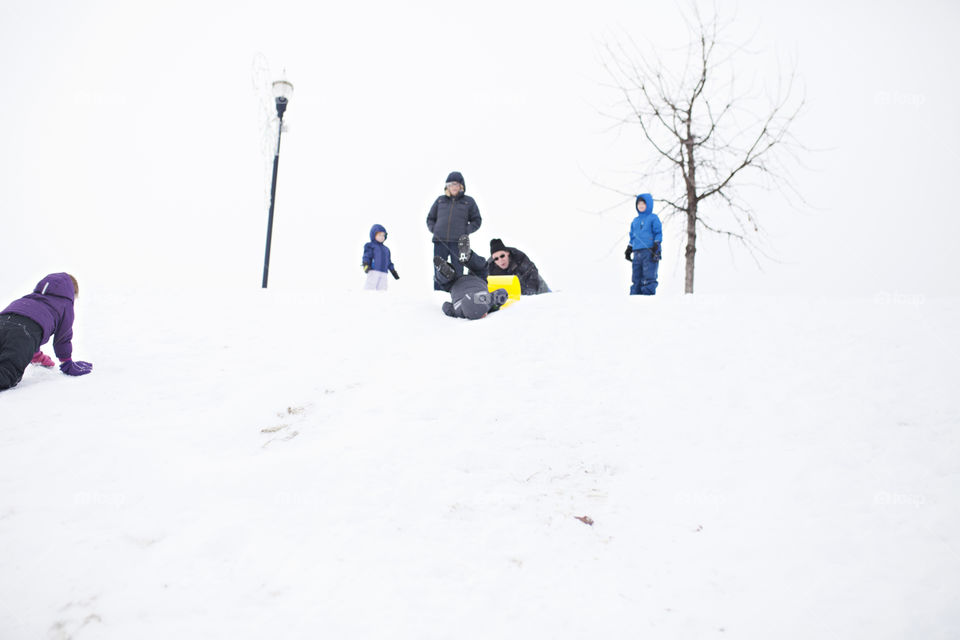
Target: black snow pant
<point x="19" y="339"/>
<point x="447" y="251"/>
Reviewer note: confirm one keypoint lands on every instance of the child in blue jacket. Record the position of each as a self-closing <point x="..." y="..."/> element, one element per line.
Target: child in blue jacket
<point x="376" y="260"/>
<point x="646" y="234"/>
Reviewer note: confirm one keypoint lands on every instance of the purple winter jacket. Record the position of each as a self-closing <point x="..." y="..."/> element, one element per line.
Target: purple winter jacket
<point x="50" y="306"/>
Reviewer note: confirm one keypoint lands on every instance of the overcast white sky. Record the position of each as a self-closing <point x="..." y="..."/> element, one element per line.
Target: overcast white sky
<point x="131" y="145"/>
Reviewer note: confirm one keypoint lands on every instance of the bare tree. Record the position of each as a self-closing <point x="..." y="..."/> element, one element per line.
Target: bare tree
<point x="705" y="134"/>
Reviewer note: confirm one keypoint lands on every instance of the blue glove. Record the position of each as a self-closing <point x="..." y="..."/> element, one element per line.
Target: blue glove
<point x="76" y="368"/>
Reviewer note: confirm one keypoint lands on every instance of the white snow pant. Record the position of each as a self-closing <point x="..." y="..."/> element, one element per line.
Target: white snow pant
<point x="376" y="280"/>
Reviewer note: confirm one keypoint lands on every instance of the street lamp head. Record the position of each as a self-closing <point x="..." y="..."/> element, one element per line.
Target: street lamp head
<point x="282" y="90"/>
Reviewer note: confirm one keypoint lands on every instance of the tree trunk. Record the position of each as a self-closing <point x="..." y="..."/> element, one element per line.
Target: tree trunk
<point x="691" y="214"/>
<point x="691" y="245"/>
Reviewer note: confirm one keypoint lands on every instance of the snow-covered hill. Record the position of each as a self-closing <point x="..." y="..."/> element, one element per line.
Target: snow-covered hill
<point x="309" y="465"/>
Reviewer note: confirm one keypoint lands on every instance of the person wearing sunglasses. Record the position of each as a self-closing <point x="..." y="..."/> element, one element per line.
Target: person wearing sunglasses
<point x="452" y="218"/>
<point x="509" y="261"/>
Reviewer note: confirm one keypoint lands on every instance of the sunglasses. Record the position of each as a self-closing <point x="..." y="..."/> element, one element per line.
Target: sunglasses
<point x="501" y="256"/>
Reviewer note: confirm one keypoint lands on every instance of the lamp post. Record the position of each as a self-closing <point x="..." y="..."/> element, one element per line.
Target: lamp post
<point x="282" y="90"/>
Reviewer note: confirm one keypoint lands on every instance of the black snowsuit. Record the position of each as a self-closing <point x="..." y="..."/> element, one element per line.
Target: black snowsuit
<point x="523" y="267"/>
<point x="469" y="297"/>
<point x="463" y="292"/>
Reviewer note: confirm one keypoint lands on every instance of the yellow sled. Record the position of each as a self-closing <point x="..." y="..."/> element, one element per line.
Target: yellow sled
<point x="510" y="283"/>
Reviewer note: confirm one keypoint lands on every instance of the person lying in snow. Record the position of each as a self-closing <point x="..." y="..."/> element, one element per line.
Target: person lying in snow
<point x="30" y="321"/>
<point x="469" y="297"/>
<point x="508" y="261"/>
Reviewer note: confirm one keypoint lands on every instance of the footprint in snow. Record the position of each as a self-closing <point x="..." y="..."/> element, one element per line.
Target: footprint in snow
<point x="282" y="432"/>
<point x="74" y="617"/>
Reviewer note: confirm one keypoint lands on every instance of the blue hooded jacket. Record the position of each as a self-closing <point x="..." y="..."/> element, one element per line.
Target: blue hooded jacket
<point x="376" y="254"/>
<point x="645" y="228"/>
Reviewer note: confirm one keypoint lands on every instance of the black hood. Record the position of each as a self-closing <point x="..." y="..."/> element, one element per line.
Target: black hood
<point x="456" y="176"/>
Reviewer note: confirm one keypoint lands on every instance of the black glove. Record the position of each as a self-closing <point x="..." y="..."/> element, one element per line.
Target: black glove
<point x="628" y="254"/>
<point x="655" y="252"/>
<point x="366" y="267"/>
<point x="393" y="272"/>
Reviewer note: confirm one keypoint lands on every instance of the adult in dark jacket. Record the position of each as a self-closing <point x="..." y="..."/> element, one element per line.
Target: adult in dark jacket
<point x="453" y="216"/>
<point x="30" y="321"/>
<point x="508" y="261"/>
<point x="469" y="297"/>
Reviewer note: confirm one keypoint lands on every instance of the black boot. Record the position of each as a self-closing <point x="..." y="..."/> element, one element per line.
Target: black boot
<point x="463" y="247"/>
<point x="444" y="269"/>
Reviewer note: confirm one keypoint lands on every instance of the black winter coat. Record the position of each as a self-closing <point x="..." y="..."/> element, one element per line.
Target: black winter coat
<point x="523" y="267"/>
<point x="463" y="304"/>
<point x="450" y="218"/>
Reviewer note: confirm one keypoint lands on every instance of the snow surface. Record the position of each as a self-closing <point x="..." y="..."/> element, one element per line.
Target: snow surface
<point x="277" y="464"/>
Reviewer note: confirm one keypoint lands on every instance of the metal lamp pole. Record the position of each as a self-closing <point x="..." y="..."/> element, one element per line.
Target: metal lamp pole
<point x="282" y="90"/>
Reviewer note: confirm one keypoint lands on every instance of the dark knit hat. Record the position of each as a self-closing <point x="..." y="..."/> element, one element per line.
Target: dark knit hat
<point x="497" y="245"/>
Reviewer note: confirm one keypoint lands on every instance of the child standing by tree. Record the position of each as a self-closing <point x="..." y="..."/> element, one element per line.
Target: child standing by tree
<point x="643" y="251"/>
<point x="30" y="321"/>
<point x="376" y="260"/>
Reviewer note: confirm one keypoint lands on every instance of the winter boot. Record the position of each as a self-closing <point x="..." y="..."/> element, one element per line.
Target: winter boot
<point x="463" y="247"/>
<point x="444" y="269"/>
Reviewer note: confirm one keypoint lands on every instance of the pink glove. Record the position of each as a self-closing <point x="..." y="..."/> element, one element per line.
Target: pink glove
<point x="43" y="360"/>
